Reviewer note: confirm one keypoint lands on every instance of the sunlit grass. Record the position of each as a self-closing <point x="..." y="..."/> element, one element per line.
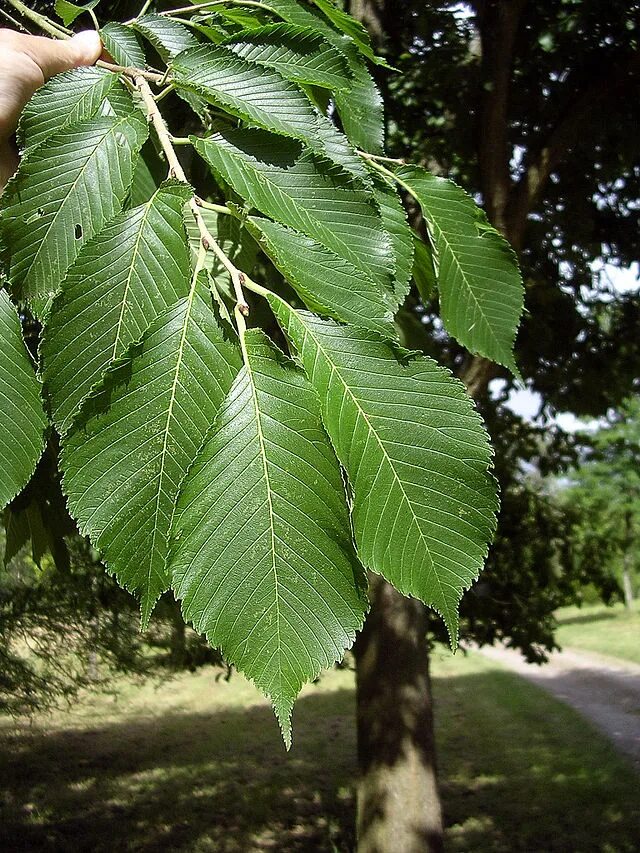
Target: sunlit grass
<point x="612" y="631"/>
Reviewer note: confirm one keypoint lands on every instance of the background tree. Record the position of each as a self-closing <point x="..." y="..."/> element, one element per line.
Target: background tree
<point x="532" y="107"/>
<point x="604" y="496"/>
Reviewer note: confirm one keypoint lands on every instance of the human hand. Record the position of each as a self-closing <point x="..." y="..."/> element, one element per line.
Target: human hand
<point x="26" y="62"/>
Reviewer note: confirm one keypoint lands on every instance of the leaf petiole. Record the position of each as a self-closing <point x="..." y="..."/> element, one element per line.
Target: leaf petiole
<point x="197" y="6"/>
<point x="55" y="30"/>
<point x="378" y="157"/>
<point x="176" y="171"/>
<point x="216" y="208"/>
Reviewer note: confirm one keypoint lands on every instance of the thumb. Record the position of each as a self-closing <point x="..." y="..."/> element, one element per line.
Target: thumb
<point x="53" y="57"/>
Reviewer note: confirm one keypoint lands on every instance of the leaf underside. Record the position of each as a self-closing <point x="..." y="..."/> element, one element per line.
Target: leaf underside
<point x="262" y="97"/>
<point x="136" y="267"/>
<point x="298" y="53"/>
<point x="51" y="207"/>
<point x="481" y="292"/>
<point x="290" y="184"/>
<point x="123" y="45"/>
<point x="360" y="109"/>
<point x="64" y="100"/>
<point x="168" y="37"/>
<point x="326" y="282"/>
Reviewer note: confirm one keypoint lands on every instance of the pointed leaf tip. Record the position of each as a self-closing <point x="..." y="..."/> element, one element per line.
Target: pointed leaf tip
<point x="481" y="290"/>
<point x="261" y="551"/>
<point x="124" y="465"/>
<point x="283" y="710"/>
<point x="415" y="452"/>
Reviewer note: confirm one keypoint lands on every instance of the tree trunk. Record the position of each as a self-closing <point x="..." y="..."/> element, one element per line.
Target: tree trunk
<point x="398" y="800"/>
<point x="178" y="643"/>
<point x="398" y="803"/>
<point x="627" y="586"/>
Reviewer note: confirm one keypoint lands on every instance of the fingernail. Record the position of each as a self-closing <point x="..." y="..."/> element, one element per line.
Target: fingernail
<point x="88" y="45"/>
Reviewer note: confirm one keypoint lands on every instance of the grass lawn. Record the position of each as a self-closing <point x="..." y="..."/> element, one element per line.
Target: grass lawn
<point x="612" y="631"/>
<point x="197" y="765"/>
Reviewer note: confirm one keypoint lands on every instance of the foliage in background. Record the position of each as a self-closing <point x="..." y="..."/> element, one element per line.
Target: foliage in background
<point x="603" y="495"/>
<point x="65" y="624"/>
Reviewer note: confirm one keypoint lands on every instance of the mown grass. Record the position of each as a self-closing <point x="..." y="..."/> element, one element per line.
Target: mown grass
<point x="198" y="765"/>
<point x="612" y="631"/>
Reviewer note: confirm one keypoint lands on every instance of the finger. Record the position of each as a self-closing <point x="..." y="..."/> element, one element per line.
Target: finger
<point x="8" y="162"/>
<point x="53" y="57"/>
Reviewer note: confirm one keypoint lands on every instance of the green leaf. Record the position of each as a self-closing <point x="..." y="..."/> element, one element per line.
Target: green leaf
<point x="298" y="53"/>
<point x="22" y="419"/>
<point x="70" y="11"/>
<point x="325" y="282"/>
<point x="168" y="37"/>
<point x="130" y="272"/>
<point x="211" y="26"/>
<point x="122" y="44"/>
<point x="481" y="292"/>
<point x="171" y="38"/>
<point x="17" y="533"/>
<point x="119" y="103"/>
<point x="285" y="181"/>
<point x="395" y="221"/>
<point x="262" y="97"/>
<point x="123" y="467"/>
<point x="416" y="455"/>
<point x="350" y="27"/>
<point x="360" y="109"/>
<point x="148" y="174"/>
<point x="64" y="100"/>
<point x="424" y="273"/>
<point x="52" y="206"/>
<point x="261" y="550"/>
<point x="22" y="526"/>
<point x="245" y="89"/>
<point x="242" y="18"/>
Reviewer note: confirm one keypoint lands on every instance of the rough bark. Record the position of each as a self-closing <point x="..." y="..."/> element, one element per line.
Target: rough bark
<point x="398" y="801"/>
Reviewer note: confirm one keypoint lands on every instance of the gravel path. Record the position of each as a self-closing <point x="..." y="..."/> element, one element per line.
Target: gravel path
<point x="604" y="690"/>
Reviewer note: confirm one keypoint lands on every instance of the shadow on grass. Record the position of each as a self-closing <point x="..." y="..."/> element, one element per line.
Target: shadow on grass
<point x="513" y="779"/>
<point x="587" y="618"/>
<point x="209" y="782"/>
